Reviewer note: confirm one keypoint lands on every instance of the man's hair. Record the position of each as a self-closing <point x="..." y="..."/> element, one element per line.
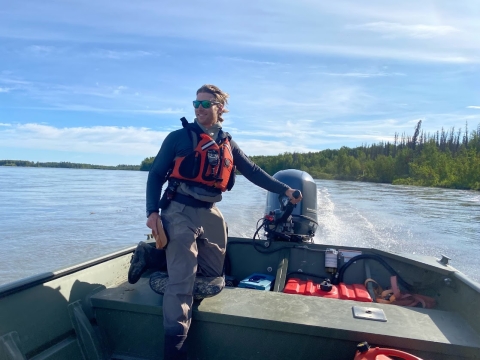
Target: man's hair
<point x="219" y="95"/>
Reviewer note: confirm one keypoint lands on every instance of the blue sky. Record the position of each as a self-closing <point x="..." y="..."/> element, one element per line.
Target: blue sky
<point x="104" y="82"/>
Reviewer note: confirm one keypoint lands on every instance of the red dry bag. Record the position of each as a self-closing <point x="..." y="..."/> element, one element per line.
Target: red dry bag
<point x="364" y="352"/>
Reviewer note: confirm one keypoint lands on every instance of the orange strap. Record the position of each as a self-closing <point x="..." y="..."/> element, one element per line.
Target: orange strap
<point x="395" y="297"/>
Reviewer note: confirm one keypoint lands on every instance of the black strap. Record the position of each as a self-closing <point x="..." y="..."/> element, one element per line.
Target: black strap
<point x="184" y="122"/>
<point x="190" y="201"/>
<point x="193" y="130"/>
<point x="222" y="135"/>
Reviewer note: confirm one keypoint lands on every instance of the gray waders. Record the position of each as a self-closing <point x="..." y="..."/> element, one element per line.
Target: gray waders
<point x="197" y="242"/>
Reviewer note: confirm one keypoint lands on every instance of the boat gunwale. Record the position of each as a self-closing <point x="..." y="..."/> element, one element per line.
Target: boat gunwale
<point x="32" y="281"/>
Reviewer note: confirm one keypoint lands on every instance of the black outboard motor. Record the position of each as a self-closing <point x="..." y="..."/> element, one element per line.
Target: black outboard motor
<point x="303" y="222"/>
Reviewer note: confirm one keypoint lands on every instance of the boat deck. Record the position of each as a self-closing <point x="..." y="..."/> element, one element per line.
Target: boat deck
<point x="272" y="325"/>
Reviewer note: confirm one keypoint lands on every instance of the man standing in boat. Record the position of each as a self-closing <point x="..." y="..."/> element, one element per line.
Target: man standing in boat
<point x="199" y="162"/>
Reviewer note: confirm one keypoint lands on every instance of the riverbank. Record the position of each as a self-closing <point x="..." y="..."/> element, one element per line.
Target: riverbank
<point x="66" y="165"/>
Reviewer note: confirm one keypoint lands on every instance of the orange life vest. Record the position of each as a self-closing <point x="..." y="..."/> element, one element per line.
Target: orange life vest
<point x="210" y="164"/>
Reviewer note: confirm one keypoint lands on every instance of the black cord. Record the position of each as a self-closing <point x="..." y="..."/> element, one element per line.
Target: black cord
<point x="339" y="278"/>
<point x="258" y="228"/>
<point x="306" y="274"/>
<point x="256" y="245"/>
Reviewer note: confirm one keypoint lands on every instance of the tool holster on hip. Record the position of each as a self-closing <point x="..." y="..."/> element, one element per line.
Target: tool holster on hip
<point x="168" y="194"/>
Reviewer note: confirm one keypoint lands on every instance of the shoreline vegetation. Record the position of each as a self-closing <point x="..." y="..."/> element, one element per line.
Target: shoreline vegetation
<point x="66" y="165"/>
<point x="448" y="159"/>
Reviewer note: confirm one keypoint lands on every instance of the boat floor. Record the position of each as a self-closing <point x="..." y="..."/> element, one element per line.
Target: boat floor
<point x="253" y="324"/>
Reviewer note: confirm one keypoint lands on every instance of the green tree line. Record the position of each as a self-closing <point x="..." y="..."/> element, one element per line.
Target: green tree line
<point x="449" y="159"/>
<point x="68" y="165"/>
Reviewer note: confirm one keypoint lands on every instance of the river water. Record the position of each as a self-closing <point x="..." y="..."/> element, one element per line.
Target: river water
<point x="54" y="218"/>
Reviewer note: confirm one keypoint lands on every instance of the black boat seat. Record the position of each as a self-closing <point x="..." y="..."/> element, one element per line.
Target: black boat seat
<point x="271" y="325"/>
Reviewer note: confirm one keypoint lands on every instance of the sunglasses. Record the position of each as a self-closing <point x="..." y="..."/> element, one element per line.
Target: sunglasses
<point x="206" y="104"/>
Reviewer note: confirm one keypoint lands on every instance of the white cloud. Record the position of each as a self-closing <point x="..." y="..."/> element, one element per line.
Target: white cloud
<point x="473" y="107"/>
<point x="3" y="124"/>
<point x="275" y="136"/>
<point x="403" y="53"/>
<point x="127" y="141"/>
<point x="363" y="75"/>
<point x="119" y="55"/>
<point x="248" y="61"/>
<point x="40" y="49"/>
<point x="4" y="90"/>
<point x="86" y="108"/>
<point x="263" y="147"/>
<point x="419" y="31"/>
<point x="119" y="89"/>
<point x="74" y="51"/>
<point x="12" y="81"/>
<point x="312" y="100"/>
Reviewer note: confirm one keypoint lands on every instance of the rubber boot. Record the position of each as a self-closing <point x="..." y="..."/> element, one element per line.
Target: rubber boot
<point x="145" y="257"/>
<point x="175" y="347"/>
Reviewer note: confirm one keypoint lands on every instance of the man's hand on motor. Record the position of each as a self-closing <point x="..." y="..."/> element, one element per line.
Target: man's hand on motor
<point x="290" y="192"/>
<point x="152" y="222"/>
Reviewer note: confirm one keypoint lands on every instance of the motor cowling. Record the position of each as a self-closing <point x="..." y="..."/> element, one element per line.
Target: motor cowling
<point x="303" y="222"/>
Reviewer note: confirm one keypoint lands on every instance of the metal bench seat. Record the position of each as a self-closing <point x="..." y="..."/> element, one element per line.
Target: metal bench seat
<point x="269" y="325"/>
